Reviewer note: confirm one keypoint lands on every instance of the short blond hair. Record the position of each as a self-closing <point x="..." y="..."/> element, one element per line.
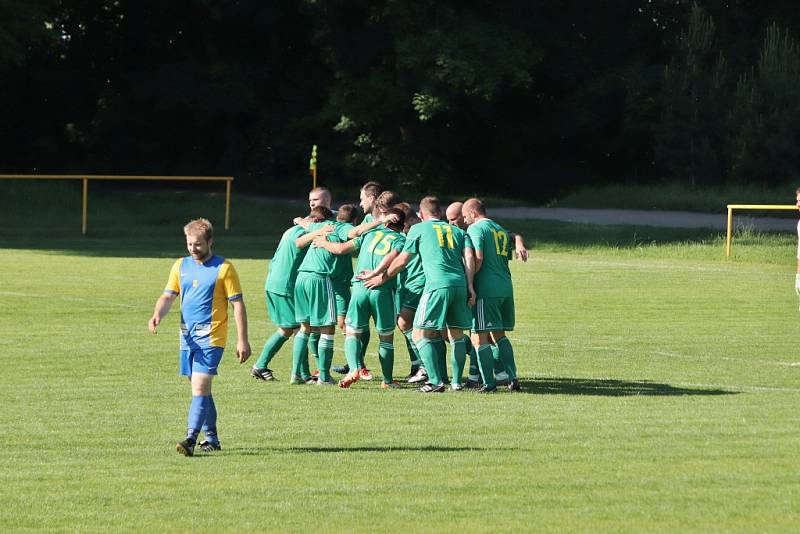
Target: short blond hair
<point x="430" y="206"/>
<point x="201" y="227"/>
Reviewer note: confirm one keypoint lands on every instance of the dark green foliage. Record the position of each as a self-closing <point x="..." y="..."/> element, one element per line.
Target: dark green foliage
<point x="507" y="98"/>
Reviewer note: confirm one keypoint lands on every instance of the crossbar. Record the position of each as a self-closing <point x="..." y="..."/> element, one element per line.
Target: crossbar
<point x="86" y="177"/>
<point x="731" y="207"/>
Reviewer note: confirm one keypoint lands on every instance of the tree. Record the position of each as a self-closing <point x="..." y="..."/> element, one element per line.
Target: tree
<point x="695" y="99"/>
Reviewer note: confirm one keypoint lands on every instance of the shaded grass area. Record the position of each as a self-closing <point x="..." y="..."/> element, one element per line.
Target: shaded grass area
<point x="128" y="223"/>
<point x="678" y="196"/>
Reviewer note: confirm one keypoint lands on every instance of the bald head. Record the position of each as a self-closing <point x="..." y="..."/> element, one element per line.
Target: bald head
<point x="453" y="214"/>
<point x="473" y="210"/>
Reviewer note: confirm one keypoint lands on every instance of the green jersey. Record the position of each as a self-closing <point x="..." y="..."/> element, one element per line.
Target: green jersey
<point x="494" y="277"/>
<point x="318" y="260"/>
<point x="282" y="271"/>
<point x="374" y="246"/>
<point x="343" y="270"/>
<point x="440" y="247"/>
<point x="368" y="218"/>
<point x="412" y="277"/>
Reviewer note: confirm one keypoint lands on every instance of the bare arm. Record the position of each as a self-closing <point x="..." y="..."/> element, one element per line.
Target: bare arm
<point x="520" y="251"/>
<point x="334" y="248"/>
<point x="477" y="258"/>
<point x="163" y="304"/>
<point x="470" y="270"/>
<point x="304" y="240"/>
<point x="371" y="281"/>
<point x="302" y="221"/>
<point x="398" y="264"/>
<point x="363" y="228"/>
<point x="240" y="316"/>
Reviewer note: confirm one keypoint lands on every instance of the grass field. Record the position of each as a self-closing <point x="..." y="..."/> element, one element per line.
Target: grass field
<point x="661" y="386"/>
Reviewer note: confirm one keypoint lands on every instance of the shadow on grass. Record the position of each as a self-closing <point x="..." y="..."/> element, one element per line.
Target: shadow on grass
<point x="249" y="451"/>
<point x="610" y="388"/>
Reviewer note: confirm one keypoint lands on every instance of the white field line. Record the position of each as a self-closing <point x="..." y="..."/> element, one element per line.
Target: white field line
<point x="85" y="300"/>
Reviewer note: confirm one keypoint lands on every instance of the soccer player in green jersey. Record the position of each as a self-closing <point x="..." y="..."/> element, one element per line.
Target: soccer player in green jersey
<point x="493" y="314"/>
<point x="315" y="305"/>
<point x="279" y="297"/>
<point x="448" y="262"/>
<point x="377" y="247"/>
<point x="410" y="284"/>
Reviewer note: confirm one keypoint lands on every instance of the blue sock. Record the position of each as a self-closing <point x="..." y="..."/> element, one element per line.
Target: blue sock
<point x="210" y="426"/>
<point x="197" y="415"/>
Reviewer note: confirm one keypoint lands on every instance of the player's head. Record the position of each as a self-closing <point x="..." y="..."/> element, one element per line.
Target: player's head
<point x="319" y="196"/>
<point x="797" y="196"/>
<point x="453" y="214"/>
<point x="401" y="219"/>
<point x="320" y="214"/>
<point x="347" y="214"/>
<point x="386" y="200"/>
<point x="369" y="193"/>
<point x="199" y="238"/>
<point x="430" y="208"/>
<point x="411" y="215"/>
<point x="473" y="209"/>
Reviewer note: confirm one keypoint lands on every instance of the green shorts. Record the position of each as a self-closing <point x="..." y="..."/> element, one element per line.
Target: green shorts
<point x="493" y="314"/>
<point x="375" y="303"/>
<point x="281" y="310"/>
<point x="405" y="298"/>
<point x="341" y="292"/>
<point x="314" y="301"/>
<point x="443" y="307"/>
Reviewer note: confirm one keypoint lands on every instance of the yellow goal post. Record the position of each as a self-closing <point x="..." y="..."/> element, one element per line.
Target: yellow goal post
<point x="85" y="178"/>
<point x="731" y="207"/>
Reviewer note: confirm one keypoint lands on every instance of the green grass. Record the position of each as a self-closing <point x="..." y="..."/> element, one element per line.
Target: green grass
<point x="677" y="196"/>
<point x="661" y="385"/>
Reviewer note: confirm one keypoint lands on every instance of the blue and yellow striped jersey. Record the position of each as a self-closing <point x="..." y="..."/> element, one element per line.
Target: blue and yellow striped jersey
<point x="205" y="290"/>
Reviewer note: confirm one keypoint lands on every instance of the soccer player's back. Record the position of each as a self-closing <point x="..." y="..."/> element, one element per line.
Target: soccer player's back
<point x="493" y="314"/>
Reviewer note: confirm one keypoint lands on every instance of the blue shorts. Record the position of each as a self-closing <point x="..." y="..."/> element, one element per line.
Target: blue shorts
<point x="199" y="360"/>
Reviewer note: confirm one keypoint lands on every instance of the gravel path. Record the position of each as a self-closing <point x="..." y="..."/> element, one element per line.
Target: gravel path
<point x="672" y="219"/>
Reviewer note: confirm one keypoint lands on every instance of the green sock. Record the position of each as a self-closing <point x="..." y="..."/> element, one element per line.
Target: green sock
<point x="474" y="370"/>
<point x="413" y="353"/>
<point x="351" y="348"/>
<point x="271" y="347"/>
<point x="313" y="347"/>
<point x="325" y="356"/>
<point x="486" y="364"/>
<point x="498" y="363"/>
<point x="386" y="357"/>
<point x="428" y="354"/>
<point x="362" y="353"/>
<point x="507" y="357"/>
<point x="458" y="358"/>
<point x="441" y="358"/>
<point x="300" y="353"/>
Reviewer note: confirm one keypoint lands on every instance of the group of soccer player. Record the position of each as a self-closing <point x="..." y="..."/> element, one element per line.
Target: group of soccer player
<point x="430" y="277"/>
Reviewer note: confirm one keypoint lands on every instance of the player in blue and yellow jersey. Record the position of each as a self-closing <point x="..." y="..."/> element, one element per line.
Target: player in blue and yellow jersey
<point x="448" y="262"/>
<point x="493" y="314"/>
<point x="379" y="246"/>
<point x="205" y="283"/>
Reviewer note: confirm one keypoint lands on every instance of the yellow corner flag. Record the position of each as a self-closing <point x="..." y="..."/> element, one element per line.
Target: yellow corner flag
<point x="312" y="166"/>
<point x="312" y="163"/>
